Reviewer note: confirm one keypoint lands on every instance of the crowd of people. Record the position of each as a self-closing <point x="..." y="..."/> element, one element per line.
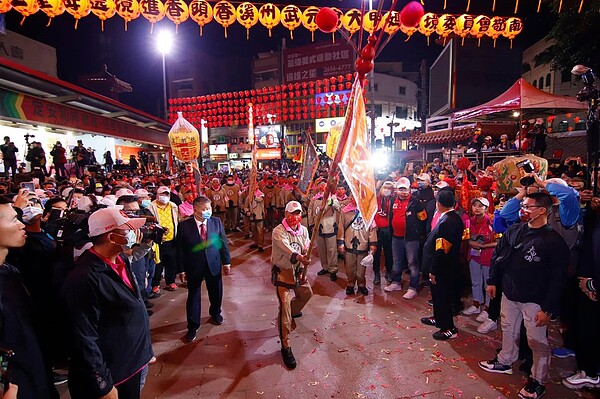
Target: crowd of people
<point x="113" y="241"/>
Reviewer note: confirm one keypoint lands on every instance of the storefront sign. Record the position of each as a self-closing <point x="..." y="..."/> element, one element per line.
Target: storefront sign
<point x="31" y="109"/>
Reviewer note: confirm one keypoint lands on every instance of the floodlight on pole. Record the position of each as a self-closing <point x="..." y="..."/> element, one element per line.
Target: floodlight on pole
<point x="164" y="44"/>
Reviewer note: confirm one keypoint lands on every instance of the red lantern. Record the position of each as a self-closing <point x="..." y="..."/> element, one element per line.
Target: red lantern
<point x="411" y="14"/>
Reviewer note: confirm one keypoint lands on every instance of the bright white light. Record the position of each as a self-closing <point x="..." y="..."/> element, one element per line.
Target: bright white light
<point x="516" y="113"/>
<point x="379" y="160"/>
<point x="164" y="42"/>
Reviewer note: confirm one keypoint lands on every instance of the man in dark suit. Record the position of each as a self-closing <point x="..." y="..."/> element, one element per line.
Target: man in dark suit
<point x="441" y="254"/>
<point x="202" y="250"/>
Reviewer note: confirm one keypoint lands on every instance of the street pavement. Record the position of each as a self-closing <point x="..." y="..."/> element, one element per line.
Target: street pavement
<point x="346" y="346"/>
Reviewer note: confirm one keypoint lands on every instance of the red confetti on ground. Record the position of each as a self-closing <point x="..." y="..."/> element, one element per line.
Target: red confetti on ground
<point x="432" y="371"/>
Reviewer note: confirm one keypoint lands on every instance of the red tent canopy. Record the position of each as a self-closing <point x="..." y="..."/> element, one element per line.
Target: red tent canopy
<point x="521" y="97"/>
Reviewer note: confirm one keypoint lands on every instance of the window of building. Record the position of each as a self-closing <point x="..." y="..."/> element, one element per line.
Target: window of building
<point x="548" y="80"/>
<point x="401" y="113"/>
<point x="535" y="83"/>
<point x="541" y="84"/>
<point x="402" y="90"/>
<point x="565" y="76"/>
<point x="563" y="126"/>
<point x="375" y="87"/>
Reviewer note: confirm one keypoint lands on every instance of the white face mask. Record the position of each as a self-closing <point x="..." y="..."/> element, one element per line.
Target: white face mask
<point x="30" y="213"/>
<point x="386" y="192"/>
<point x="164" y="199"/>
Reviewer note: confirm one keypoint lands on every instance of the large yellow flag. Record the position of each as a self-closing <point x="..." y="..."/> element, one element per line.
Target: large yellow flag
<point x="356" y="157"/>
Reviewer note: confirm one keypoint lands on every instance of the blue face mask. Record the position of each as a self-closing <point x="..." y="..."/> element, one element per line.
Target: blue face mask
<point x="422" y="185"/>
<point x="130" y="239"/>
<point x="146" y="203"/>
<point x="207" y="214"/>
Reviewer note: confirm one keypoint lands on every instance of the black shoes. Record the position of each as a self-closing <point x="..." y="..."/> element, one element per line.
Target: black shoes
<point x="363" y="290"/>
<point x="253" y="246"/>
<point x="297" y="315"/>
<point x="322" y="272"/>
<point x="349" y="290"/>
<point x="333" y="277"/>
<point x="217" y="320"/>
<point x="288" y="358"/>
<point x="148" y="304"/>
<point x="444" y="335"/>
<point x="533" y="390"/>
<point x="190" y="337"/>
<point x="154" y="295"/>
<point x="261" y="249"/>
<point x="377" y="279"/>
<point x="430" y="321"/>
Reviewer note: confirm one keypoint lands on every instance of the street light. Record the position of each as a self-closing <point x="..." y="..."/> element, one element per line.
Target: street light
<point x="164" y="44"/>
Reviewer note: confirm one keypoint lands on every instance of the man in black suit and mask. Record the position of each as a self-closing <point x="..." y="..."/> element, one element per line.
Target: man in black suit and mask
<point x="441" y="254"/>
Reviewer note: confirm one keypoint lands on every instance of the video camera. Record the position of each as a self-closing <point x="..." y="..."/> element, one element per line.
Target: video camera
<point x="588" y="77"/>
<point x="150" y="230"/>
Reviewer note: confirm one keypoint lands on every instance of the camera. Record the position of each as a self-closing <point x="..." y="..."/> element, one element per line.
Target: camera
<point x="526" y="167"/>
<point x="152" y="231"/>
<point x="589" y="91"/>
<point x="572" y="163"/>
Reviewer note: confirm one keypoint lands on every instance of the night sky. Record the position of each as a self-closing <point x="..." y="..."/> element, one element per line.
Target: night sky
<point x="132" y="55"/>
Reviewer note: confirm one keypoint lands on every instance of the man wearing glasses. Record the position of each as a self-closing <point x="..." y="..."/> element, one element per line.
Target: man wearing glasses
<point x="529" y="262"/>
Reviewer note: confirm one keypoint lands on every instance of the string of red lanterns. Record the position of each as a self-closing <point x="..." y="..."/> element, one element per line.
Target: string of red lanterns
<point x="274" y="104"/>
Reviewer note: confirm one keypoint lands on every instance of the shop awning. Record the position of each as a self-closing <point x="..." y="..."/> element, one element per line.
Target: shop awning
<point x="34" y="97"/>
<point x="523" y="97"/>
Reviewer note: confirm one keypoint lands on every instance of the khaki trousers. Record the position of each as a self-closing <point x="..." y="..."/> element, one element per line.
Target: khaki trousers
<point x="289" y="306"/>
<point x="512" y="314"/>
<point x="355" y="272"/>
<point x="258" y="234"/>
<point x="231" y="217"/>
<point x="327" y="247"/>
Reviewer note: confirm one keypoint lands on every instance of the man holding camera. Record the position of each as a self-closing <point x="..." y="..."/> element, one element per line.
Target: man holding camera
<point x="111" y="335"/>
<point x="203" y="252"/>
<point x="9" y="155"/>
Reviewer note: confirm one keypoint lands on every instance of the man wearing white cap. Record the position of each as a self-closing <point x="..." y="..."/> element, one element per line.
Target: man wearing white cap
<point x="110" y="331"/>
<point x="167" y="216"/>
<point x="289" y="258"/>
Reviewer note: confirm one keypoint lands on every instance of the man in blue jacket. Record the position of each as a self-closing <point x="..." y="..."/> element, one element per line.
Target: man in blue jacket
<point x="111" y="335"/>
<point x="202" y="251"/>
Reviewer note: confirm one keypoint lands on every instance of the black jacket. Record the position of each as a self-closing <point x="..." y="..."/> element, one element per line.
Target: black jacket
<point x="111" y="335"/>
<point x="415" y="227"/>
<point x="534" y="266"/>
<point x="427" y="198"/>
<point x="441" y="251"/>
<point x="27" y="369"/>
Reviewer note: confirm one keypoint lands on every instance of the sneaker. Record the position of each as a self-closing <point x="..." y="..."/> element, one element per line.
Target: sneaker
<point x="155" y="290"/>
<point x="333" y="276"/>
<point x="377" y="279"/>
<point x="494" y="366"/>
<point x="444" y="335"/>
<point x="363" y="290"/>
<point x="483" y="316"/>
<point x="562" y="353"/>
<point x="349" y="290"/>
<point x="172" y="287"/>
<point x="532" y="390"/>
<point x="190" y="336"/>
<point x="581" y="380"/>
<point x="322" y="272"/>
<point x="288" y="358"/>
<point x="393" y="287"/>
<point x="297" y="315"/>
<point x="152" y="361"/>
<point x="487" y="326"/>
<point x="410" y="294"/>
<point x="471" y="310"/>
<point x="430" y="321"/>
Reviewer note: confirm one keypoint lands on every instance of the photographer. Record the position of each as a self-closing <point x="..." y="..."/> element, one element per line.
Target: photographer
<point x="140" y="254"/>
<point x="9" y="155"/>
<point x="59" y="159"/>
<point x="37" y="157"/>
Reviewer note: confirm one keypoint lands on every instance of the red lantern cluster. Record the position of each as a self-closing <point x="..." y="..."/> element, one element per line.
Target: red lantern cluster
<point x="301" y="101"/>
